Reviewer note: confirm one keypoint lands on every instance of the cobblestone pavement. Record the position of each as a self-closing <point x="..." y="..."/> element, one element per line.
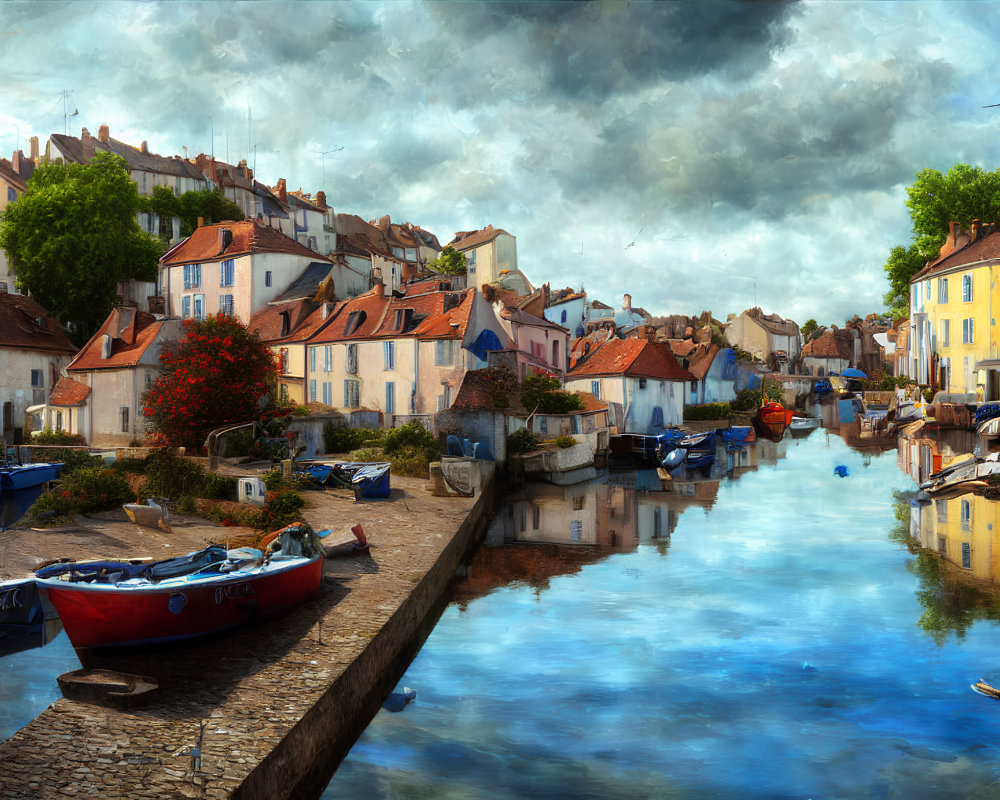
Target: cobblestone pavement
<point x="237" y="696"/>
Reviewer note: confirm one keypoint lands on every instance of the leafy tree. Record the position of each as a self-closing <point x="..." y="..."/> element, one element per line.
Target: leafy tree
<point x="73" y="235"/>
<point x="963" y="194"/>
<point x="208" y="204"/>
<point x="807" y="329"/>
<point x="216" y="376"/>
<point x="449" y="261"/>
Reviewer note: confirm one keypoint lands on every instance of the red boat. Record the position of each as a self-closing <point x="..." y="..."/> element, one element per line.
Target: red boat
<point x="771" y="420"/>
<point x="112" y="604"/>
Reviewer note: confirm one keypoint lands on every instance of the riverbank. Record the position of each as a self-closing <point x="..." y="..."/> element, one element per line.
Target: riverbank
<point x="272" y="709"/>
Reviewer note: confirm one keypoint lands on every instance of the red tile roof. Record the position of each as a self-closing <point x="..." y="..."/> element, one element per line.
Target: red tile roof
<point x="450" y="324"/>
<point x="131" y="332"/>
<point x="68" y="392"/>
<point x="26" y="325"/>
<point x="248" y="236"/>
<point x="363" y="314"/>
<point x="269" y="321"/>
<point x="699" y="355"/>
<point x="638" y="358"/>
<point x="829" y="344"/>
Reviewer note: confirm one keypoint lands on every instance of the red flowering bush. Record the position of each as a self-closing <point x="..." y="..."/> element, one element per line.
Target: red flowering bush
<point x="218" y="375"/>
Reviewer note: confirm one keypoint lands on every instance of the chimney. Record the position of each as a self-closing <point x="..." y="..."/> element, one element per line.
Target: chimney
<point x="321" y="199"/>
<point x="34" y="148"/>
<point x="201" y="221"/>
<point x="144" y="148"/>
<point x="324" y="311"/>
<point x="282" y="191"/>
<point x="627" y="305"/>
<point x="87" y="145"/>
<point x="104" y="134"/>
<point x="975" y="230"/>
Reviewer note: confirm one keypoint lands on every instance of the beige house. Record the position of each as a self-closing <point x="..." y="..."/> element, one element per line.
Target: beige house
<point x="33" y="350"/>
<point x="766" y="337"/>
<point x="488" y="253"/>
<point x="118" y="364"/>
<point x="14" y="175"/>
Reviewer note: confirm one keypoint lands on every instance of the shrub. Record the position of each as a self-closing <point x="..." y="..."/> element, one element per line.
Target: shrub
<point x="707" y="411"/>
<point x="51" y="437"/>
<point x="219" y="487"/>
<point x="545" y="394"/>
<point x="343" y="439"/>
<point x="84" y="491"/>
<point x="284" y="506"/>
<point x="414" y="437"/>
<point x="169" y="475"/>
<point x="522" y="441"/>
<point x="73" y="460"/>
<point x="564" y="441"/>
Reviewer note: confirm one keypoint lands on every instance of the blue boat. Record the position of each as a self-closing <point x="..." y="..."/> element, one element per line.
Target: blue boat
<point x="701" y="442"/>
<point x="735" y="436"/>
<point x="316" y="473"/>
<point x="16" y="476"/>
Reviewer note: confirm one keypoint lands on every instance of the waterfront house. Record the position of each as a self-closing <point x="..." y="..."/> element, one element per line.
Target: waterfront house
<point x="714" y="369"/>
<point x="766" y="337"/>
<point x="829" y="351"/>
<point x="33" y="350"/>
<point x="641" y="380"/>
<point x="234" y="268"/>
<point x="118" y="364"/>
<point x="952" y="346"/>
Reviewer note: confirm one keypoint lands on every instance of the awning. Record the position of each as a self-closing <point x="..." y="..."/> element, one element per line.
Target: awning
<point x="35" y="409"/>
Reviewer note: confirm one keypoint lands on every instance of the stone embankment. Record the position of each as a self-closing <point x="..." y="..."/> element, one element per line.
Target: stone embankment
<point x="266" y="712"/>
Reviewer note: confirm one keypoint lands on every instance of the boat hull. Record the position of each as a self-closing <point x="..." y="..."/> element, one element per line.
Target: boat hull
<point x="771" y="420"/>
<point x="105" y="615"/>
<point x="27" y="476"/>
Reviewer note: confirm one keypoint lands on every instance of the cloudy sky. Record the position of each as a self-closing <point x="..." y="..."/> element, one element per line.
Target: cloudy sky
<point x="698" y="155"/>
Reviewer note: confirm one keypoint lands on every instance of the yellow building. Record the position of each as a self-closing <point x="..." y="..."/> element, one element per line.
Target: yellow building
<point x="952" y="339"/>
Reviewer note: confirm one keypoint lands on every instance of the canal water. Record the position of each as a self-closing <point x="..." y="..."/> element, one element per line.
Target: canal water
<point x="773" y="632"/>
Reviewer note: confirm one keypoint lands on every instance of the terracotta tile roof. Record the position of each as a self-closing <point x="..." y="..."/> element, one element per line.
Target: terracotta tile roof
<point x="637" y="358"/>
<point x="699" y="355"/>
<point x="10" y="175"/>
<point x="248" y="236"/>
<point x="985" y="249"/>
<point x="26" y="325"/>
<point x="591" y="403"/>
<point x="579" y="349"/>
<point x="68" y="392"/>
<point x="406" y="315"/>
<point x="131" y="333"/>
<point x="465" y="240"/>
<point x="829" y="344"/>
<point x="450" y="324"/>
<point x="269" y="322"/>
<point x="441" y="283"/>
<point x="355" y="319"/>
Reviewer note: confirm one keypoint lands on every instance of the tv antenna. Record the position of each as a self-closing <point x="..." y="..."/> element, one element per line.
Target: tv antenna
<point x="324" y="154"/>
<point x="632" y="243"/>
<point x="66" y="95"/>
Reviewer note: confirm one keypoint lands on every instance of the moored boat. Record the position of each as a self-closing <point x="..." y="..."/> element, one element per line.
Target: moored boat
<point x="771" y="420"/>
<point x="119" y="603"/>
<point x="24" y="476"/>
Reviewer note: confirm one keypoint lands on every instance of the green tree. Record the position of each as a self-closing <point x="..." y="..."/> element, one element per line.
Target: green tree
<point x="217" y="375"/>
<point x="449" y="261"/>
<point x="935" y="199"/>
<point x="73" y="235"/>
<point x="207" y="204"/>
<point x="544" y="394"/>
<point x="809" y="326"/>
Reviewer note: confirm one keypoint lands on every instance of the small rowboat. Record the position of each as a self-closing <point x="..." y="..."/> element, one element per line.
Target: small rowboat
<point x="983" y="688"/>
<point x="771" y="420"/>
<point x="118" y="603"/>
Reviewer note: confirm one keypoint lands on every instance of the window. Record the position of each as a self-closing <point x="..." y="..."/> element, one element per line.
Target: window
<point x="226" y="273"/>
<point x="226" y="304"/>
<point x="192" y="276"/>
<point x="966" y="288"/>
<point x="389" y="353"/>
<point x="470" y="258"/>
<point x="312" y="361"/>
<point x="966" y="555"/>
<point x="942" y="290"/>
<point x="945" y="332"/>
<point x="942" y="510"/>
<point x="186" y="306"/>
<point x="123" y="414"/>
<point x="578" y="502"/>
<point x="927" y="290"/>
<point x="328" y="358"/>
<point x="267" y="278"/>
<point x="968" y="334"/>
<point x="595" y="389"/>
<point x="352" y="393"/>
<point x="283" y="393"/>
<point x="327" y="393"/>
<point x="942" y="545"/>
<point x="444" y="352"/>
<point x="312" y="388"/>
<point x="352" y="360"/>
<point x="198" y="311"/>
<point x="283" y="352"/>
<point x="642" y="383"/>
<point x="390" y="398"/>
<point x="536" y="516"/>
<point x="37" y="386"/>
<point x="11" y="194"/>
<point x="966" y="511"/>
<point x="543" y="424"/>
<point x="59" y="426"/>
<point x="575" y="530"/>
<point x="562" y="316"/>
